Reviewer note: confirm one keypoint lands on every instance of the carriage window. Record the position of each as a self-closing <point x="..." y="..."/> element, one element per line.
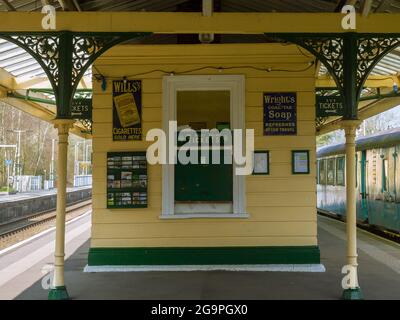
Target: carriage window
<point x="321" y="171"/>
<point x="385" y="180"/>
<point x="331" y="172"/>
<point x="340" y="164"/>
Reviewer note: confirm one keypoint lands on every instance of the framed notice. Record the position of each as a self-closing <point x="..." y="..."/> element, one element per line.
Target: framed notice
<point x="261" y="163"/>
<point x="300" y="162"/>
<point x="127" y="110"/>
<point x="127" y="180"/>
<point x="280" y="114"/>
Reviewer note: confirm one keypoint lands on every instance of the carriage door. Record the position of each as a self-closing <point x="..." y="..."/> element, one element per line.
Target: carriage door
<point x="363" y="178"/>
<point x="363" y="213"/>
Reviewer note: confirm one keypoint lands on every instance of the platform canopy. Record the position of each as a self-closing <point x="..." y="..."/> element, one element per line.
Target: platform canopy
<point x="233" y="21"/>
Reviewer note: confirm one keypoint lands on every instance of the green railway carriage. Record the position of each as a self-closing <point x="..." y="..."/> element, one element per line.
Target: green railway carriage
<point x="378" y="170"/>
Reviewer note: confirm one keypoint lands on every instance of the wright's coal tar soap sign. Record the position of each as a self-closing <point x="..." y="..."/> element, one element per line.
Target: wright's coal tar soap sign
<point x="280" y="114"/>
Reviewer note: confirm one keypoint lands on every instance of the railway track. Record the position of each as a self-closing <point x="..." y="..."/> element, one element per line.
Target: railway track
<point x="37" y="219"/>
<point x="386" y="234"/>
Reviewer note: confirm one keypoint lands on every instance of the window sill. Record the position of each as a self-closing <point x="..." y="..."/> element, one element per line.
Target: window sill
<point x="205" y="216"/>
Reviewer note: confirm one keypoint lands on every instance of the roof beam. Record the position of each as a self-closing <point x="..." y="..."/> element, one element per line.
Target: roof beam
<point x="195" y="22"/>
<point x="40" y="112"/>
<point x="366" y="7"/>
<point x="9" y="5"/>
<point x="373" y="81"/>
<point x="69" y="5"/>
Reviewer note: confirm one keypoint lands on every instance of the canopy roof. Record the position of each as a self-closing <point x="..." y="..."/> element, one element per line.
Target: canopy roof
<point x="186" y="5"/>
<point x="28" y="73"/>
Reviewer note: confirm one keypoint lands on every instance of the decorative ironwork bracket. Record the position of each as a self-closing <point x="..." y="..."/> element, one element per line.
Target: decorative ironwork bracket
<point x="348" y="57"/>
<point x="65" y="57"/>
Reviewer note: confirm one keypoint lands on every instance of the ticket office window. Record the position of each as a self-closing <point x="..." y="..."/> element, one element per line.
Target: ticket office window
<point x="204" y="181"/>
<point x="203" y="191"/>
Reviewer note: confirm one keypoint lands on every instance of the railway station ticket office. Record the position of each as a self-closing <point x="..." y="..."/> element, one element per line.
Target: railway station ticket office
<point x="203" y="216"/>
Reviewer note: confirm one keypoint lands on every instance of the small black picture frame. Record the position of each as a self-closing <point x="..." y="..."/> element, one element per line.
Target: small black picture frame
<point x="261" y="163"/>
<point x="300" y="162"/>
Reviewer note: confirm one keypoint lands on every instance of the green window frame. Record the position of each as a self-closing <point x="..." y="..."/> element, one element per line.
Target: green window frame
<point x="385" y="180"/>
<point x="340" y="171"/>
<point x="330" y="170"/>
<point x="322" y="172"/>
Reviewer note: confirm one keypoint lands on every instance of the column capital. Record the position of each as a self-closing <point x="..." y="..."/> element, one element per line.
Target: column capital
<point x="350" y="126"/>
<point x="63" y="125"/>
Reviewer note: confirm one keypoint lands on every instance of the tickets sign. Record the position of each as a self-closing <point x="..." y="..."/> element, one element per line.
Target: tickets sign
<point x="329" y="106"/>
<point x="127" y="110"/>
<point x="81" y="109"/>
<point x="280" y="114"/>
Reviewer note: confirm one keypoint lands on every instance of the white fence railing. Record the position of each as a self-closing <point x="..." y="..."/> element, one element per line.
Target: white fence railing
<point x="82" y="181"/>
<point x="48" y="184"/>
<point x="27" y="183"/>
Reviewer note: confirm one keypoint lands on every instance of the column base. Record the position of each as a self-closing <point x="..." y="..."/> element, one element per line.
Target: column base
<point x="352" y="294"/>
<point x="58" y="293"/>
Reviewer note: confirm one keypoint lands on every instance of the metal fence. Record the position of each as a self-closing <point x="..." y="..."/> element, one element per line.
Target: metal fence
<point x="48" y="184"/>
<point x="27" y="183"/>
<point x="82" y="181"/>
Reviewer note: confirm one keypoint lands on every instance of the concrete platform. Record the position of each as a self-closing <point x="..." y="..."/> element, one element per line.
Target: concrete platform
<point x="22" y="205"/>
<point x="379" y="276"/>
<point x="5" y="197"/>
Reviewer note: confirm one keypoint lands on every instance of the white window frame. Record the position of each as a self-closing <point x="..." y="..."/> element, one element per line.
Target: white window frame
<point x="235" y="84"/>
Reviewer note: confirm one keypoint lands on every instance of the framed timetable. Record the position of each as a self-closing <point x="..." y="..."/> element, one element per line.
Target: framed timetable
<point x="261" y="163"/>
<point x="127" y="180"/>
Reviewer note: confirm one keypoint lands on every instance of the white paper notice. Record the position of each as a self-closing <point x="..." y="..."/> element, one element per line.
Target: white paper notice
<point x="301" y="162"/>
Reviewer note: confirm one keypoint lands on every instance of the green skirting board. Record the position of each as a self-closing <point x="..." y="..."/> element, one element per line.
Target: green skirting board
<point x="203" y="256"/>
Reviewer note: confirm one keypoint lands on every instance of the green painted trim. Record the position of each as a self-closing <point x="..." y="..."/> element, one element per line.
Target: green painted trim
<point x="204" y="256"/>
<point x="352" y="294"/>
<point x="58" y="293"/>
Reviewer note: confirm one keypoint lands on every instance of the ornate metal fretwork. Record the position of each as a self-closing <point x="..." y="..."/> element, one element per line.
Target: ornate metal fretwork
<point x="44" y="49"/>
<point x="370" y="52"/>
<point x="55" y="51"/>
<point x="330" y="52"/>
<point x="327" y="49"/>
<point x="87" y="124"/>
<point x="86" y="49"/>
<point x="349" y="58"/>
<point x="320" y="121"/>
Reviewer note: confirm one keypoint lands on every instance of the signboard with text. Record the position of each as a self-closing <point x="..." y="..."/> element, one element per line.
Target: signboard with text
<point x="81" y="109"/>
<point x="127" y="110"/>
<point x="328" y="106"/>
<point x="280" y="114"/>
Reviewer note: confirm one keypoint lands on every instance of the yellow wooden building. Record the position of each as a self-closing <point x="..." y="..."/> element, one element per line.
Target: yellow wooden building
<point x="274" y="220"/>
<point x="230" y="70"/>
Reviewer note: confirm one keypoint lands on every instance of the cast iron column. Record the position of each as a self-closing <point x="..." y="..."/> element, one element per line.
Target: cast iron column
<point x="350" y="124"/>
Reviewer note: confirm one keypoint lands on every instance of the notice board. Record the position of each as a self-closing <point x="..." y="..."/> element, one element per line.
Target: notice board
<point x="127" y="180"/>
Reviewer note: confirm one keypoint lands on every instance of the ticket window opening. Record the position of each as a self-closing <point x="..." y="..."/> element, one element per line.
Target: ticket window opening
<point x="204" y="183"/>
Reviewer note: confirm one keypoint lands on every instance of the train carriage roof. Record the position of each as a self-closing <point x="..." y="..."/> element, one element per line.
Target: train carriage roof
<point x="384" y="139"/>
